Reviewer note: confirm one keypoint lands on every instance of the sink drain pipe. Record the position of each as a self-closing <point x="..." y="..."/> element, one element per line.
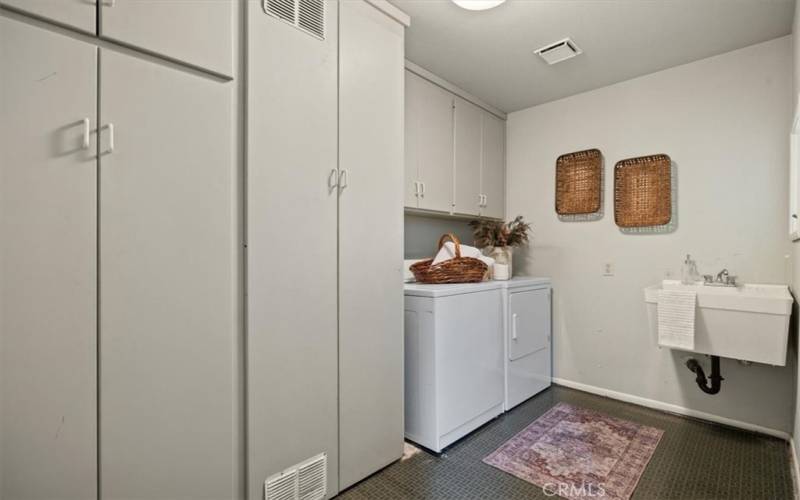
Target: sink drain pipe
<point x="702" y="381"/>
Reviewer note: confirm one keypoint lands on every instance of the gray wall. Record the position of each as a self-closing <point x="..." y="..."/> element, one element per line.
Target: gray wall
<point x="725" y="123"/>
<point x="422" y="233"/>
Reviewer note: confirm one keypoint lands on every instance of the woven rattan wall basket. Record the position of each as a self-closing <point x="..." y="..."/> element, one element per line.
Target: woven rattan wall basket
<point x="579" y="185"/>
<point x="643" y="191"/>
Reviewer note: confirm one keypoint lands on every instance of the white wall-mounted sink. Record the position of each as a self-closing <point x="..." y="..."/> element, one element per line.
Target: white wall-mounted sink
<point x="749" y="322"/>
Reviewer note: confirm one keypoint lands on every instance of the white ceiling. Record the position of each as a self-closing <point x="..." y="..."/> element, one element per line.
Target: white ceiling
<point x="490" y="53"/>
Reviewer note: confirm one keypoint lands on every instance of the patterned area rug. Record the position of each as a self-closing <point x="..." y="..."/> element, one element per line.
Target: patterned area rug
<point x="578" y="453"/>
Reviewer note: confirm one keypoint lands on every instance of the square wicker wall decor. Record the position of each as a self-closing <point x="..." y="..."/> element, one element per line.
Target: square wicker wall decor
<point x="643" y="191"/>
<point x="579" y="183"/>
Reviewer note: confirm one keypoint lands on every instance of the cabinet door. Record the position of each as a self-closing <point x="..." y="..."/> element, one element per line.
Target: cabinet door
<point x="493" y="179"/>
<point x="80" y="14"/>
<point x="468" y="144"/>
<point x="411" y="140"/>
<point x="529" y="322"/>
<point x="197" y="32"/>
<point x="292" y="262"/>
<point x="48" y="265"/>
<point x="168" y="336"/>
<point x="432" y="123"/>
<point x="370" y="241"/>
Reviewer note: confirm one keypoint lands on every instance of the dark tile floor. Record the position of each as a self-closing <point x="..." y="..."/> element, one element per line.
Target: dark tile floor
<point x="695" y="460"/>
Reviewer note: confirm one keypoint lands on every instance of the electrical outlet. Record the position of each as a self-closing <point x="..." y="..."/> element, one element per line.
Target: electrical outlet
<point x="608" y="269"/>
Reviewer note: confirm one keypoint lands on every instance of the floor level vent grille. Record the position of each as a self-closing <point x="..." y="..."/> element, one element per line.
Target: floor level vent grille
<point x="305" y="481"/>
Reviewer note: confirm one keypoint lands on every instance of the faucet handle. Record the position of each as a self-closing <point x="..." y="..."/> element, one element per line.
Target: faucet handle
<point x="730" y="280"/>
<point x="707" y="278"/>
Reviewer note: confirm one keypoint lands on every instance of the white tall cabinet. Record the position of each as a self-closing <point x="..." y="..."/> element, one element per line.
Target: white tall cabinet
<point x="118" y="330"/>
<point x="324" y="243"/>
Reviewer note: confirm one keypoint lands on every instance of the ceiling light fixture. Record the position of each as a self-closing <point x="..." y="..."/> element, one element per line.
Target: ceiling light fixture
<point x="478" y="4"/>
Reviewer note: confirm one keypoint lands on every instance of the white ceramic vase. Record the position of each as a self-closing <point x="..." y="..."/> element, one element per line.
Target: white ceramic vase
<point x="503" y="255"/>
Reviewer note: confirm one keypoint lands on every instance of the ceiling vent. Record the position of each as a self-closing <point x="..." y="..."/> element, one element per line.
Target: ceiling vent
<point x="305" y="481"/>
<point x="306" y="15"/>
<point x="559" y="51"/>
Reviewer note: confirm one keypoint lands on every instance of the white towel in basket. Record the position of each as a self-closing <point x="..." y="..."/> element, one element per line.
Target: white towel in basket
<point x="448" y="251"/>
<point x="676" y="311"/>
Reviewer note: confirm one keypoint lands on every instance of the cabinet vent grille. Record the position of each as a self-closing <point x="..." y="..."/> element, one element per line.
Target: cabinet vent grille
<point x="306" y="15"/>
<point x="312" y="478"/>
<point x="305" y="481"/>
<point x="281" y="487"/>
<point x="311" y="17"/>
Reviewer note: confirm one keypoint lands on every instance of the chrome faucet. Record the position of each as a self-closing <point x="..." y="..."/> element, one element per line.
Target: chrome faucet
<point x="723" y="279"/>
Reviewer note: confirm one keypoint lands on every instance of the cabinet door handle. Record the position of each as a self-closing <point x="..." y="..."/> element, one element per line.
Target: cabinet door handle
<point x="514" y="326"/>
<point x="416" y="189"/>
<point x="422" y="192"/>
<point x="333" y="179"/>
<point x="342" y="179"/>
<point x="86" y="132"/>
<point x="485" y="201"/>
<point x="110" y="128"/>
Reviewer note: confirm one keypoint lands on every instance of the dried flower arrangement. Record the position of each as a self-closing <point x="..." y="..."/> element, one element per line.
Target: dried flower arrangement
<point x="494" y="233"/>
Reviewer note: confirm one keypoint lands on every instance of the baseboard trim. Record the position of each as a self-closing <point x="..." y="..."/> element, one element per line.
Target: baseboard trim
<point x="670" y="408"/>
<point x="795" y="469"/>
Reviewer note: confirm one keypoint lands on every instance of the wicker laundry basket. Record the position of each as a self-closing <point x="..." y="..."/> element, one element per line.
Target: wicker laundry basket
<point x="456" y="270"/>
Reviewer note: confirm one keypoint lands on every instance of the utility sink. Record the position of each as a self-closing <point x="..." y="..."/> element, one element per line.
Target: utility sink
<point x="748" y="322"/>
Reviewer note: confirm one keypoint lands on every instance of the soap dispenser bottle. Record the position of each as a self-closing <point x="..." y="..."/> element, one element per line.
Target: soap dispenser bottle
<point x="690" y="274"/>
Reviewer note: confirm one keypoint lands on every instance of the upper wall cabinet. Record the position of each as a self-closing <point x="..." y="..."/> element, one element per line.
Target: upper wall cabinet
<point x="455" y="153"/>
<point x="80" y="14"/>
<point x="197" y="32"/>
<point x="479" y="162"/>
<point x="428" y="145"/>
